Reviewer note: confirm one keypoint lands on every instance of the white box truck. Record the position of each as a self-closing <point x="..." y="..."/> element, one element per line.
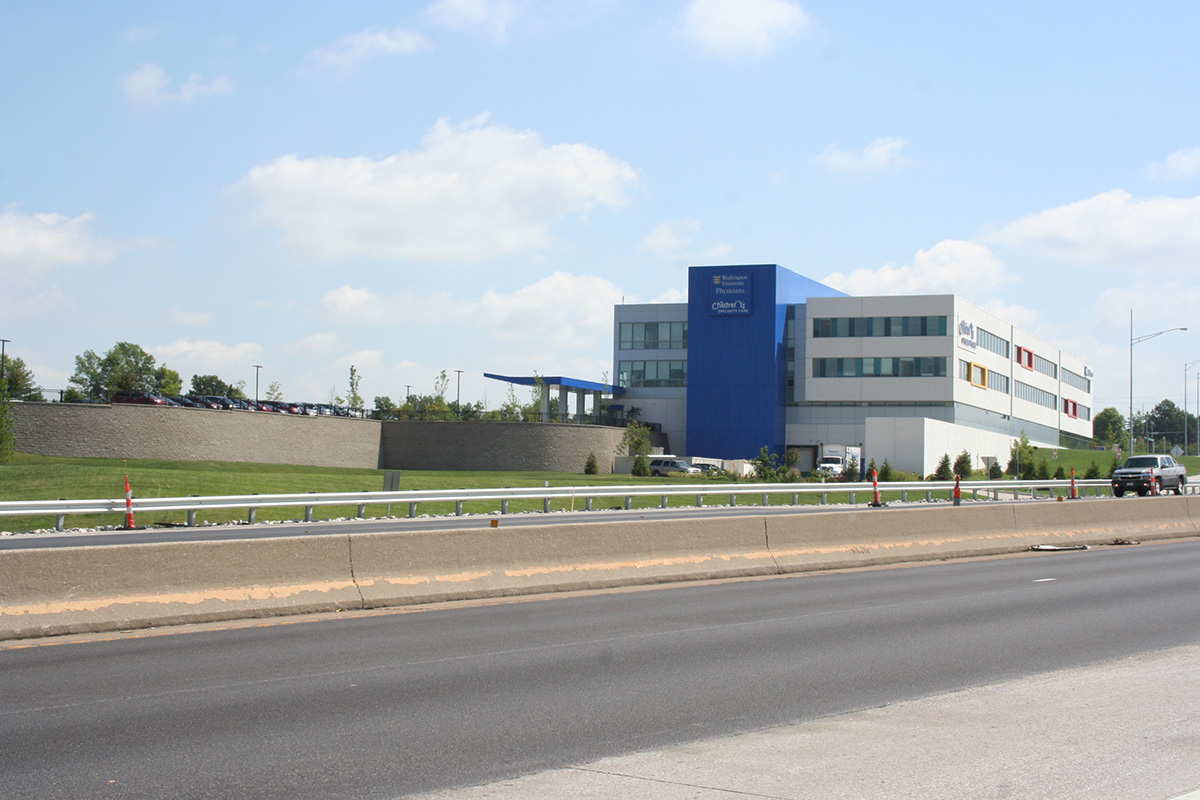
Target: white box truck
<point x="834" y="457"/>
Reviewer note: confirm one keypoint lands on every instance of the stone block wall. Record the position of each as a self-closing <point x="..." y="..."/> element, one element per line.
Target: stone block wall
<point x="194" y="434"/>
<point x="153" y="432"/>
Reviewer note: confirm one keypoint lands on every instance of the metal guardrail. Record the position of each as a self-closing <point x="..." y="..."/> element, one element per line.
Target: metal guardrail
<point x="974" y="490"/>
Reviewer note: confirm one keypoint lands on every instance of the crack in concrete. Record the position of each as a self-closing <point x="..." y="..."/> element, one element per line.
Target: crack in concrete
<point x="737" y="792"/>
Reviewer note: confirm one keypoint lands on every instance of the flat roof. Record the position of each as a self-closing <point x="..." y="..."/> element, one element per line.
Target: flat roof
<point x="558" y="380"/>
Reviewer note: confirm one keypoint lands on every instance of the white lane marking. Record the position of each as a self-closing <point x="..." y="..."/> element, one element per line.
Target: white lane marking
<point x="1045" y="580"/>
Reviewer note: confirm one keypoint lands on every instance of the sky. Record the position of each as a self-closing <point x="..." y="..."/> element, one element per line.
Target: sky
<point x="412" y="187"/>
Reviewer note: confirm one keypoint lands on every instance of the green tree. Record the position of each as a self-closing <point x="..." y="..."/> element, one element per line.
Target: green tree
<point x="886" y="473"/>
<point x="167" y="381"/>
<point x="1060" y="473"/>
<point x="943" y="471"/>
<point x="8" y="439"/>
<point x="385" y="407"/>
<point x="995" y="472"/>
<point x="211" y="384"/>
<point x="871" y="472"/>
<point x="1093" y="472"/>
<point x="1114" y="466"/>
<point x="1108" y="427"/>
<point x="1043" y="470"/>
<point x="963" y="466"/>
<point x="353" y="398"/>
<point x="636" y="439"/>
<point x="1020" y="458"/>
<point x="124" y="368"/>
<point x="850" y="471"/>
<point x="18" y="381"/>
<point x="591" y="466"/>
<point x="274" y="391"/>
<point x="641" y="466"/>
<point x="766" y="465"/>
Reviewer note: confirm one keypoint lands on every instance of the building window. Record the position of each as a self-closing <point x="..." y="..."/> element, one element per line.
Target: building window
<point x="1046" y="367"/>
<point x="651" y="374"/>
<point x="1025" y="357"/>
<point x="1071" y="408"/>
<point x="920" y="367"/>
<point x="997" y="381"/>
<point x="1032" y="394"/>
<point x="990" y="341"/>
<point x="1078" y="381"/>
<point x="653" y="336"/>
<point x="864" y="327"/>
<point x="1085" y="413"/>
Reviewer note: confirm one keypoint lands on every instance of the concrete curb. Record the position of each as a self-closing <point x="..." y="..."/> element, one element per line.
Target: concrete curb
<point x="51" y="591"/>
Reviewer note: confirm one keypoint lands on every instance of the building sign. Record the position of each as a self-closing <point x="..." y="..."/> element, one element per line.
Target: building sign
<point x="729" y="293"/>
<point x="966" y="334"/>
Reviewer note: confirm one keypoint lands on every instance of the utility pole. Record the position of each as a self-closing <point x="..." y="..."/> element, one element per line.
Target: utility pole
<point x="458" y="396"/>
<point x="3" y="385"/>
<point x="257" y="367"/>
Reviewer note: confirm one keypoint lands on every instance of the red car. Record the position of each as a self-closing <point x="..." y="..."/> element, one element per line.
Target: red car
<point x="142" y="399"/>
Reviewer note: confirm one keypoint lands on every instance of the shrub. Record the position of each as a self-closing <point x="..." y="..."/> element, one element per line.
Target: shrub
<point x="1093" y="472"/>
<point x="641" y="466"/>
<point x="995" y="473"/>
<point x="592" y="467"/>
<point x="886" y="472"/>
<point x="1043" y="471"/>
<point x="850" y="473"/>
<point x="962" y="465"/>
<point x="1060" y="473"/>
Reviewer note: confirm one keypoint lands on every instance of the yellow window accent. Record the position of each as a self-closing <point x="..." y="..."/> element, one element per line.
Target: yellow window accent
<point x="978" y="375"/>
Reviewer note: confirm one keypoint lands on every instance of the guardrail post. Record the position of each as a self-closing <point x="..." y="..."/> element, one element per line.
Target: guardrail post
<point x="904" y="496"/>
<point x="412" y="510"/>
<point x="852" y="498"/>
<point x="60" y="520"/>
<point x="458" y="508"/>
<point x="546" y="505"/>
<point x="795" y="498"/>
<point x="362" y="511"/>
<point x="588" y="504"/>
<point x="824" y="498"/>
<point x="662" y="501"/>
<point x="1016" y="493"/>
<point x="699" y="500"/>
<point x="974" y="494"/>
<point x="628" y="502"/>
<point x="733" y="500"/>
<point x="308" y="513"/>
<point x="504" y="505"/>
<point x="928" y="496"/>
<point x="765" y="500"/>
<point x="191" y="515"/>
<point x="253" y="515"/>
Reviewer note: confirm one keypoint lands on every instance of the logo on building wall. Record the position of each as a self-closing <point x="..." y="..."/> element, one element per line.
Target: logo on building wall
<point x="729" y="294"/>
<point x="1087" y="372"/>
<point x="966" y="334"/>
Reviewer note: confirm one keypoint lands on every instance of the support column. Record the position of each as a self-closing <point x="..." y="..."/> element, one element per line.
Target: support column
<point x="579" y="396"/>
<point x="562" y="404"/>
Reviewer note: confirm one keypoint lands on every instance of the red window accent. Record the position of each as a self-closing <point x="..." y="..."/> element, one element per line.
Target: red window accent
<point x="1071" y="408"/>
<point x="1025" y="357"/>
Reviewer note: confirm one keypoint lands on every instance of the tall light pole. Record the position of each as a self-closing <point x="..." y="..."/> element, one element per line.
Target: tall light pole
<point x="1132" y="341"/>
<point x="257" y="367"/>
<point x="458" y="396"/>
<point x="1186" y="367"/>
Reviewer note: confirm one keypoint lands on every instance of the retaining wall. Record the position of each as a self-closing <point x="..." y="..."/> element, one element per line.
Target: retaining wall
<point x="71" y="590"/>
<point x="196" y="434"/>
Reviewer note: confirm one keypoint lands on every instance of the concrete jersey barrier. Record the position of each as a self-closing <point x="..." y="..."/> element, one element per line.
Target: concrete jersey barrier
<point x="54" y="591"/>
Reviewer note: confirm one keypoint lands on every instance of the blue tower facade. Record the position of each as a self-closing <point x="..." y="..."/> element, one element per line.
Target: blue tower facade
<point x="737" y="356"/>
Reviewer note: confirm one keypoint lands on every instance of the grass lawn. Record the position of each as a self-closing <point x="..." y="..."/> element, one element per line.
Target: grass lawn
<point x="33" y="477"/>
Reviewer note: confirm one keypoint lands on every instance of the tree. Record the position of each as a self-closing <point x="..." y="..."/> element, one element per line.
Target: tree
<point x="353" y="398"/>
<point x="1108" y="427"/>
<point x="943" y="471"/>
<point x="124" y="368"/>
<point x="1043" y="470"/>
<point x="1060" y="473"/>
<point x="211" y="384"/>
<point x="591" y="466"/>
<point x="963" y="466"/>
<point x="385" y="407"/>
<point x="8" y="442"/>
<point x="1020" y="459"/>
<point x="274" y="391"/>
<point x="995" y="472"/>
<point x="766" y="465"/>
<point x="1093" y="472"/>
<point x="886" y="473"/>
<point x="167" y="381"/>
<point x="850" y="472"/>
<point x="18" y="381"/>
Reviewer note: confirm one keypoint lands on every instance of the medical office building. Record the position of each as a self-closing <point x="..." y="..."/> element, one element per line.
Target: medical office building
<point x="762" y="356"/>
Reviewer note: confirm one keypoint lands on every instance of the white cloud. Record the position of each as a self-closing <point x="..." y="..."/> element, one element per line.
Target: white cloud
<point x="1181" y="166"/>
<point x="733" y="27"/>
<point x="191" y="318"/>
<point x="470" y="192"/>
<point x="206" y="357"/>
<point x="881" y="154"/>
<point x="348" y="305"/>
<point x="949" y="267"/>
<point x="323" y="343"/>
<point x="38" y="242"/>
<point x="1113" y="231"/>
<point x="148" y="85"/>
<point x="491" y="16"/>
<point x="671" y="239"/>
<point x="361" y="305"/>
<point x="354" y="48"/>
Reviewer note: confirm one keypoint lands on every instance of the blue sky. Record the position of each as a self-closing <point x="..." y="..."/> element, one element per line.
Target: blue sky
<point x="473" y="184"/>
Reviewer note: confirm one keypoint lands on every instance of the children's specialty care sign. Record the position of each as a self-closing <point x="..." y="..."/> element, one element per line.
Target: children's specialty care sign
<point x="729" y="294"/>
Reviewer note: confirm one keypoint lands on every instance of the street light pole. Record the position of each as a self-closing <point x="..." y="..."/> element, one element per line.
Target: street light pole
<point x="1186" y="367"/>
<point x="1132" y="341"/>
<point x="257" y="367"/>
<point x="458" y="396"/>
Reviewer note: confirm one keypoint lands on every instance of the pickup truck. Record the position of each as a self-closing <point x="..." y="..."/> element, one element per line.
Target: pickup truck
<point x="1141" y="473"/>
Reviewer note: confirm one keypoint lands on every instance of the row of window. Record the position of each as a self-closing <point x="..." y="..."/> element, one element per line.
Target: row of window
<point x="652" y="374"/>
<point x="858" y="327"/>
<point x="918" y="367"/>
<point x="653" y="335"/>
<point x="1032" y="394"/>
<point x="982" y="377"/>
<point x="990" y="341"/>
<point x="1075" y="411"/>
<point x="1076" y="380"/>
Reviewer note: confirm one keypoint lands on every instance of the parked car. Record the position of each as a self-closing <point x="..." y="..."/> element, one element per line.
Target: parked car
<point x="665" y="466"/>
<point x="1145" y="473"/>
<point x="142" y="399"/>
<point x="187" y="402"/>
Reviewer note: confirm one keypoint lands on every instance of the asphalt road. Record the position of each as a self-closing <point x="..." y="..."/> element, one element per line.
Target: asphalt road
<point x="387" y="704"/>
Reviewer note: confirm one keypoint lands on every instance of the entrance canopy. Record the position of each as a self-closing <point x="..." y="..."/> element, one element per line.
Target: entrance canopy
<point x="564" y="385"/>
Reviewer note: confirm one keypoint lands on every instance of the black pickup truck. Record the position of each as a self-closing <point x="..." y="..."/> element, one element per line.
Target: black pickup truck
<point x="1143" y="473"/>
